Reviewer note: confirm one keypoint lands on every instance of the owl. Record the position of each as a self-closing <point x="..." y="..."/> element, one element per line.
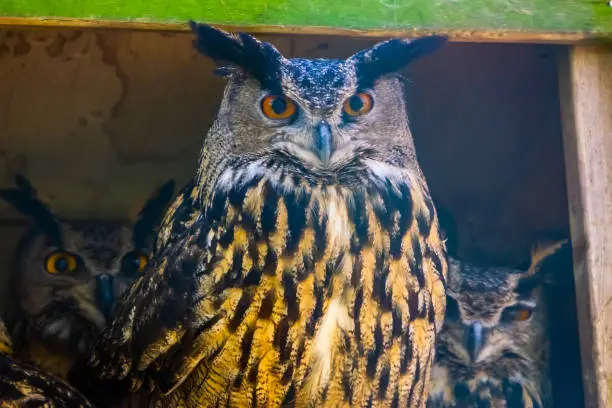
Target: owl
<point x="303" y="265"/>
<point x="66" y="276"/>
<point x="23" y="385"/>
<point x="493" y="348"/>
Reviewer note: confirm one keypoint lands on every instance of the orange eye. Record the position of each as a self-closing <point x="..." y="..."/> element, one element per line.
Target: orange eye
<point x="142" y="262"/>
<point x="358" y="104"/>
<point x="134" y="261"/>
<point x="61" y="262"/>
<point x="522" y="314"/>
<point x="278" y="107"/>
<point x="517" y="314"/>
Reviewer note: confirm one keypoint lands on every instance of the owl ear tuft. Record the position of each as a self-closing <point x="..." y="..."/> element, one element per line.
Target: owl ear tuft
<point x="538" y="271"/>
<point x="541" y="252"/>
<point x="24" y="199"/>
<point x="150" y="216"/>
<point x="259" y="59"/>
<point x="392" y="55"/>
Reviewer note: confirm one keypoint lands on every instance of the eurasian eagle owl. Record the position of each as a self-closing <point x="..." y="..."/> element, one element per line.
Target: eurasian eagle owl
<point x="303" y="265"/>
<point x="66" y="275"/>
<point x="493" y="350"/>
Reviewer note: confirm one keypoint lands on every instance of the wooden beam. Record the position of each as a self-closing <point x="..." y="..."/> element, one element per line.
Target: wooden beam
<point x="586" y="103"/>
<point x="560" y="21"/>
<point x="455" y="35"/>
<point x="501" y="35"/>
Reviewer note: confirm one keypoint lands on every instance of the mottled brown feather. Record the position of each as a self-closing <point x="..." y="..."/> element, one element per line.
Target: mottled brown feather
<point x="23" y="385"/>
<point x="297" y="328"/>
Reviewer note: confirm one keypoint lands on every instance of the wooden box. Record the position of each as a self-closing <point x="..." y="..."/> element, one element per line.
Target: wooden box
<point x="102" y="101"/>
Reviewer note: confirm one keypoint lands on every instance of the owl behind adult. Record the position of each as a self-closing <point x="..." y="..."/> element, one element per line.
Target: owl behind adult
<point x="493" y="349"/>
<point x="24" y="385"/>
<point x="66" y="275"/>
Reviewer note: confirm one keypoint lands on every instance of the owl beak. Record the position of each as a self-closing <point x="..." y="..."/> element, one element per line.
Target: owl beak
<point x="477" y="336"/>
<point x="323" y="141"/>
<point x="105" y="294"/>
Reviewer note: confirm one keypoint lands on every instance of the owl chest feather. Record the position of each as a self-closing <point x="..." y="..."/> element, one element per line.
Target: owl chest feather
<point x="313" y="293"/>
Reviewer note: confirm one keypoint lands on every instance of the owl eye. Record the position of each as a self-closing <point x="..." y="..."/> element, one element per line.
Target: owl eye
<point x="278" y="107"/>
<point x="358" y="104"/>
<point x="134" y="262"/>
<point x="517" y="314"/>
<point x="61" y="262"/>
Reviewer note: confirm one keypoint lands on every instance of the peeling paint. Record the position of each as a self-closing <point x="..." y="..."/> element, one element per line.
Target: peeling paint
<point x="22" y="47"/>
<point x="109" y="44"/>
<point x="57" y="46"/>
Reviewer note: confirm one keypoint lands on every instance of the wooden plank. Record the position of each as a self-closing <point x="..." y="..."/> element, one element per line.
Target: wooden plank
<point x="468" y="20"/>
<point x="586" y="92"/>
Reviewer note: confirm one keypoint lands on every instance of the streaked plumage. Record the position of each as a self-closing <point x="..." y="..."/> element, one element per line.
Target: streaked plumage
<point x="66" y="275"/>
<point x="303" y="266"/>
<point x="493" y="349"/>
<point x="23" y="385"/>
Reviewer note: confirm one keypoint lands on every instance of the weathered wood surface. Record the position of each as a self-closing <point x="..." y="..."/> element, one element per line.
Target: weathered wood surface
<point x="586" y="88"/>
<point x="467" y="20"/>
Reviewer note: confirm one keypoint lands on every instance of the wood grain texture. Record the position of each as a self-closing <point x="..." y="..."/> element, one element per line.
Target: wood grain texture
<point x="537" y="20"/>
<point x="586" y="89"/>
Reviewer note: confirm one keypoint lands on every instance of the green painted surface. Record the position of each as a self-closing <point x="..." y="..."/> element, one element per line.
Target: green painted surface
<point x="529" y="15"/>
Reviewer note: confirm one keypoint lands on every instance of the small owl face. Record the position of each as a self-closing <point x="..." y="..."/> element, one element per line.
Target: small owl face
<point x="489" y="316"/>
<point x="68" y="274"/>
<point x="493" y="345"/>
<point x="320" y="112"/>
<point x="94" y="264"/>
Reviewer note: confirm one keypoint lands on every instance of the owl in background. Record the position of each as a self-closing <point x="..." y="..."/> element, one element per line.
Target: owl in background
<point x="23" y="385"/>
<point x="493" y="349"/>
<point x="66" y="275"/>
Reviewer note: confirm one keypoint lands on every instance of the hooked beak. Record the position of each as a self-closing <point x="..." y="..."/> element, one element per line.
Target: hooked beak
<point x="323" y="141"/>
<point x="477" y="336"/>
<point x="105" y="294"/>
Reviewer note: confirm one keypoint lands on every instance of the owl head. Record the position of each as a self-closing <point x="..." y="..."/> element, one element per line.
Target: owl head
<point x="318" y="113"/>
<point x="494" y="338"/>
<point x="67" y="274"/>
